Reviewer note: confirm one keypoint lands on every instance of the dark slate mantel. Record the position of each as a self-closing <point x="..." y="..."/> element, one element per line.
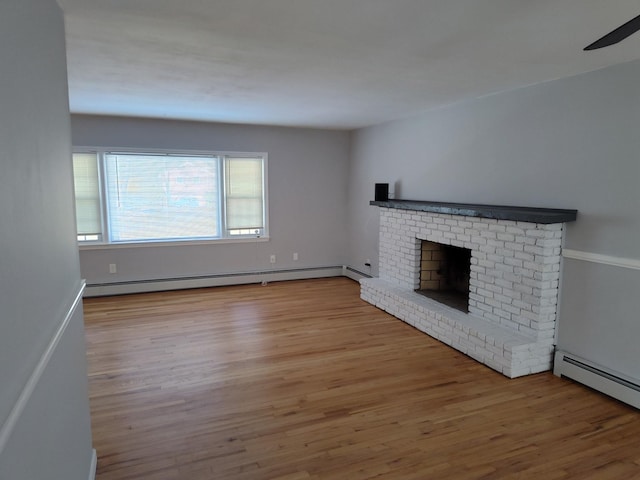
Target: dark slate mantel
<point x="498" y="212"/>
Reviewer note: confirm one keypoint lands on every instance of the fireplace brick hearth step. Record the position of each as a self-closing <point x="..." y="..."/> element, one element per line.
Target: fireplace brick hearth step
<point x="500" y="347"/>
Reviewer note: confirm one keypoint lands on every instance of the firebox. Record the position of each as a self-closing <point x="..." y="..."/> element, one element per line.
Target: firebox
<point x="444" y="274"/>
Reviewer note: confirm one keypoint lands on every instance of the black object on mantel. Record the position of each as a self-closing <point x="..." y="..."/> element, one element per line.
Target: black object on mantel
<point x="382" y="192"/>
<point x="498" y="212"/>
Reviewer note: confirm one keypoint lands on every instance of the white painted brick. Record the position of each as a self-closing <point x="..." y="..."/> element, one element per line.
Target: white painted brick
<point x="554" y="227"/>
<point x="506" y="237"/>
<point x="543" y="326"/>
<point x="548" y="293"/>
<point x="526" y="241"/>
<point x="524" y="272"/>
<point x="503" y="283"/>
<point x="477" y="356"/>
<point x="514" y="262"/>
<point x="505" y="269"/>
<point x="485" y="308"/>
<point x="534" y="266"/>
<point x="491" y="363"/>
<point x="510" y="323"/>
<point x="547" y="260"/>
<point x="486" y="263"/>
<point x="492" y="317"/>
<point x="547" y="276"/>
<point x="478" y="254"/>
<point x="551" y="267"/>
<point x="514" y="230"/>
<point x="496" y="290"/>
<point x="492" y="257"/>
<point x="531" y="232"/>
<point x="496" y="350"/>
<point x="515" y="246"/>
<point x="548" y="301"/>
<point x="488" y="234"/>
<point x="494" y="303"/>
<point x="512" y="276"/>
<point x="513" y="310"/>
<point x="478" y="240"/>
<point x="498" y="227"/>
<point x="501" y="314"/>
<point x="525" y="256"/>
<point x="548" y="334"/>
<point x="476" y="297"/>
<point x="486" y="278"/>
<point x="504" y="253"/>
<point x="535" y="249"/>
<point x="526" y="289"/>
<point x="549" y="242"/>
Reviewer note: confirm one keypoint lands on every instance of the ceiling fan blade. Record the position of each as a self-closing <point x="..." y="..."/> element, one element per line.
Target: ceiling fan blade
<point x="619" y="34"/>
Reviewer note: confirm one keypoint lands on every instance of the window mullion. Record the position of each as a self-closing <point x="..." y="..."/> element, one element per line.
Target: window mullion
<point x="104" y="211"/>
<point x="222" y="178"/>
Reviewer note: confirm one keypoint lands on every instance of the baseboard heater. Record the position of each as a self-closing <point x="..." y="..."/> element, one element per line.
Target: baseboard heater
<point x="599" y="378"/>
<point x="163" y="284"/>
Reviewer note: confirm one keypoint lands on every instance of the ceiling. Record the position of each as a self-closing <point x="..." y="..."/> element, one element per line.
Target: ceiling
<point x="325" y="63"/>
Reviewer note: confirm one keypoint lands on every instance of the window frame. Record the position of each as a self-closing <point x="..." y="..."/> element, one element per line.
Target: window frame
<point x="104" y="241"/>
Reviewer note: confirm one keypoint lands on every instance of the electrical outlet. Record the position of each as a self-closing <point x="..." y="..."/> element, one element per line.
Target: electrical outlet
<point x="295" y="257"/>
<point x="272" y="259"/>
<point x="113" y="268"/>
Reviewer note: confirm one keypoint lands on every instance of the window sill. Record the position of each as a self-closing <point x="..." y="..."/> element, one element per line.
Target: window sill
<point x="178" y="243"/>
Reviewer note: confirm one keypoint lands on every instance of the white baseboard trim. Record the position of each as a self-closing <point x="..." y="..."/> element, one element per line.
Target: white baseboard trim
<point x="602" y="259"/>
<point x="34" y="378"/>
<point x="145" y="286"/>
<point x="94" y="464"/>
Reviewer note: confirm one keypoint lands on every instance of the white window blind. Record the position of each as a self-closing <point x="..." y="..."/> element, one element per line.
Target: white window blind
<point x="162" y="197"/>
<point x="87" y="194"/>
<point x="244" y="195"/>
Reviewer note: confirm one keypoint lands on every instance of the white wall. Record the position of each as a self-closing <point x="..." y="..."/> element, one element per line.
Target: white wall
<point x="307" y="175"/>
<point x="569" y="143"/>
<point x="44" y="431"/>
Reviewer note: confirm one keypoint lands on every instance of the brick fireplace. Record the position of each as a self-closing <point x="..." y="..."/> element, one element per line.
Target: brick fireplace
<point x="509" y="322"/>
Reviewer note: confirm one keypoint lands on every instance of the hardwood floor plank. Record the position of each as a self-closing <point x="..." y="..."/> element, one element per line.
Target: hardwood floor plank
<point x="303" y="380"/>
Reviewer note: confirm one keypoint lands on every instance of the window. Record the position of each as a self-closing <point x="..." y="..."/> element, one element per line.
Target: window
<point x="243" y="181"/>
<point x="87" y="193"/>
<point x="158" y="197"/>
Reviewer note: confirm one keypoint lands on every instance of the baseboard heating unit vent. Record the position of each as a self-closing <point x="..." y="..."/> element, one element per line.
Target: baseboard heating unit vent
<point x="583" y="371"/>
<point x="164" y="284"/>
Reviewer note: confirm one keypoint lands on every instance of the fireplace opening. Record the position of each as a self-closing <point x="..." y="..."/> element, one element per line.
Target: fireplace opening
<point x="444" y="274"/>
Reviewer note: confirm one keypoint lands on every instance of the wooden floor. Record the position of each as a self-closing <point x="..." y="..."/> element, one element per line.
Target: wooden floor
<point x="303" y="380"/>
